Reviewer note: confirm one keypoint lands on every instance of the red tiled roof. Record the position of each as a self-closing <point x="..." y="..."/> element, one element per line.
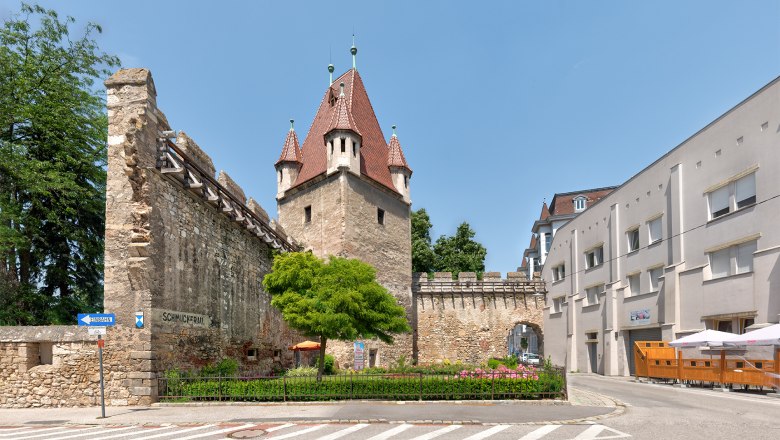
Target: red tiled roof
<point x="396" y="155"/>
<point x="342" y="117"/>
<point x="373" y="150"/>
<point x="545" y="212"/>
<point x="564" y="203"/>
<point x="291" y="152"/>
<point x="533" y="242"/>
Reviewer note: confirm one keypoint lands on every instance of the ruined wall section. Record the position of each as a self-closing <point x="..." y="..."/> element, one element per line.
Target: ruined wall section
<point x="469" y="320"/>
<point x="190" y="261"/>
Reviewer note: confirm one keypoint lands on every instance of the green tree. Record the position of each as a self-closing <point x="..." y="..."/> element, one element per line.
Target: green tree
<point x="53" y="130"/>
<point x="338" y="299"/>
<point x="460" y="253"/>
<point x="423" y="258"/>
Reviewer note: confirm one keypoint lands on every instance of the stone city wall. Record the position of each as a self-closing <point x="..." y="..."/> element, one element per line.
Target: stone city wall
<point x="469" y="320"/>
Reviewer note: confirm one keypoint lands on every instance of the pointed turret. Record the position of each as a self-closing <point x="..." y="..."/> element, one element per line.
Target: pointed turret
<point x="342" y="137"/>
<point x="545" y="212"/>
<point x="289" y="163"/>
<point x="399" y="169"/>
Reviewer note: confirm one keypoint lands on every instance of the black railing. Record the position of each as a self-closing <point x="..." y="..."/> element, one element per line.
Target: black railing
<point x="528" y="385"/>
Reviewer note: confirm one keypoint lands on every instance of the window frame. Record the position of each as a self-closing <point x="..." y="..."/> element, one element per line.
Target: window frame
<point x="734" y="201"/>
<point x="632" y="238"/>
<point x="307" y="214"/>
<point x="380" y="216"/>
<point x="734" y="263"/>
<point x="636" y="276"/>
<point x="659" y="221"/>
<point x="593" y="292"/>
<point x="596" y="251"/>
<point x="657" y="286"/>
<point x="580" y="203"/>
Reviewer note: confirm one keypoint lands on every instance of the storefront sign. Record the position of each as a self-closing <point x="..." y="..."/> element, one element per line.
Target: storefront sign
<point x="639" y="316"/>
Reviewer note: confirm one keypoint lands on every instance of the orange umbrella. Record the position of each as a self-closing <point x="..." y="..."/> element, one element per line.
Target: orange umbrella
<point x="306" y="346"/>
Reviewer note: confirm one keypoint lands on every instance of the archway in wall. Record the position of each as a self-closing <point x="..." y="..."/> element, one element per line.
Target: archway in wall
<point x="525" y="337"/>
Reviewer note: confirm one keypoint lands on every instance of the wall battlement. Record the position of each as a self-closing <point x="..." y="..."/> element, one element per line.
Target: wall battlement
<point x="467" y="282"/>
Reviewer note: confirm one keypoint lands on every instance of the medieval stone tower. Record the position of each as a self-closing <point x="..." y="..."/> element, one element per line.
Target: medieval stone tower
<point x="345" y="192"/>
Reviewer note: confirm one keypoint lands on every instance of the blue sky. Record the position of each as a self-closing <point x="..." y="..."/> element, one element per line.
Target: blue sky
<point x="499" y="105"/>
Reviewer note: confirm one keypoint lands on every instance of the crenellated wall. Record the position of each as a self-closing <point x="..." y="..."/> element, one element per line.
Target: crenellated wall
<point x="469" y="319"/>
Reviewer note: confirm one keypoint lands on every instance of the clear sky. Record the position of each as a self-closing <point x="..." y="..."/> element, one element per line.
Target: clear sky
<point x="499" y="105"/>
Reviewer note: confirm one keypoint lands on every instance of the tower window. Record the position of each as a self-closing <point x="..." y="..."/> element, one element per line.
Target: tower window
<point x="380" y="216"/>
<point x="343" y="145"/>
<point x="331" y="146"/>
<point x="406" y="181"/>
<point x="307" y="214"/>
<point x="354" y="150"/>
<point x="280" y="176"/>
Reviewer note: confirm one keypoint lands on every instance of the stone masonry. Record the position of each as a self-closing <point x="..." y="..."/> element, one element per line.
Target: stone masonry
<point x="468" y="320"/>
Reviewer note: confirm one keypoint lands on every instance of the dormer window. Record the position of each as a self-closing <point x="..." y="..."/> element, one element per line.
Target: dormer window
<point x="580" y="203"/>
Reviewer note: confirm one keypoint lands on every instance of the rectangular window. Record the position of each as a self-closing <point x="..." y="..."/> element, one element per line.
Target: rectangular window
<point x="733" y="260"/>
<point x="594" y="257"/>
<point x="380" y="216"/>
<point x="735" y="195"/>
<point x="307" y="214"/>
<point x="745" y="191"/>
<point x="633" y="284"/>
<point x="655" y="230"/>
<point x="557" y="304"/>
<point x="547" y="242"/>
<point x="632" y="237"/>
<point x="343" y="145"/>
<point x="655" y="278"/>
<point x="559" y="272"/>
<point x="592" y="295"/>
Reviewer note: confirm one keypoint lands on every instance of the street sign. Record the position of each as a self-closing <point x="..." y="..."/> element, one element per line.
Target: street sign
<point x="97" y="319"/>
<point x="96" y="330"/>
<point x="139" y="319"/>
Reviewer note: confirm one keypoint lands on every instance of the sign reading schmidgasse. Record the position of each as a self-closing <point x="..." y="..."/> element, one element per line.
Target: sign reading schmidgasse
<point x="174" y="317"/>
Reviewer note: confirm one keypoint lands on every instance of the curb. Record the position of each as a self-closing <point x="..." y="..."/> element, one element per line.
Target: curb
<point x="376" y="402"/>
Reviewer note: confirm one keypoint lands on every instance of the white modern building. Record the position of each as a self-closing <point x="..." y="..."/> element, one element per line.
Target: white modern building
<point x="690" y="242"/>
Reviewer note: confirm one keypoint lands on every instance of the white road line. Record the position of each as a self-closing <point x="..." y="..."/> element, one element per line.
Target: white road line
<point x="488" y="432"/>
<point x="594" y="432"/>
<point x="343" y="432"/>
<point x="91" y="431"/>
<point x="140" y="431"/>
<point x="391" y="432"/>
<point x="13" y="430"/>
<point x="539" y="433"/>
<point x="65" y="431"/>
<point x="276" y="428"/>
<point x="301" y="432"/>
<point x="221" y="431"/>
<point x="172" y="433"/>
<point x="438" y="432"/>
<point x="36" y="430"/>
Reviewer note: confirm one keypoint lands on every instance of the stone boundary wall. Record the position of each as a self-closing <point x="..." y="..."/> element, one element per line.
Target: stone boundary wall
<point x="469" y="320"/>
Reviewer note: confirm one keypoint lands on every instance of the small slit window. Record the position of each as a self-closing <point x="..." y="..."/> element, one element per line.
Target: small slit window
<point x="380" y="216"/>
<point x="280" y="175"/>
<point x="307" y="214"/>
<point x="343" y="145"/>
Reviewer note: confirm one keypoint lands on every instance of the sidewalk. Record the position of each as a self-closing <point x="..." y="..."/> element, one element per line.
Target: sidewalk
<point x="584" y="406"/>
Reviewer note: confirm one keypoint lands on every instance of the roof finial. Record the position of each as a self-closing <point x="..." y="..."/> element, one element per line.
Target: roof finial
<point x="292" y="124"/>
<point x="394" y="131"/>
<point x="342" y="90"/>
<point x="330" y="70"/>
<point x="353" y="51"/>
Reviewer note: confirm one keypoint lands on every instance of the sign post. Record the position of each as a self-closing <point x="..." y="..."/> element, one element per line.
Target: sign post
<point x="96" y="324"/>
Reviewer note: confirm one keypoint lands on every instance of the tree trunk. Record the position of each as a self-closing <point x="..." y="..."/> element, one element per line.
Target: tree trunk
<point x="321" y="365"/>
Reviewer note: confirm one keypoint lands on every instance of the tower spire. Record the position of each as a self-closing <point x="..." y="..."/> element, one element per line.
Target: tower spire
<point x="330" y="71"/>
<point x="353" y="51"/>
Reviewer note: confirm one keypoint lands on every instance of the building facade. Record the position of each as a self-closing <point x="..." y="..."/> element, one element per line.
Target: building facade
<point x="563" y="207"/>
<point x="345" y="192"/>
<point x="689" y="243"/>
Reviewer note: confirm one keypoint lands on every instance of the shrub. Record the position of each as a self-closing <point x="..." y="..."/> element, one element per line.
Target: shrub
<point x="493" y="364"/>
<point x="329" y="362"/>
<point x="225" y="368"/>
<point x="301" y="372"/>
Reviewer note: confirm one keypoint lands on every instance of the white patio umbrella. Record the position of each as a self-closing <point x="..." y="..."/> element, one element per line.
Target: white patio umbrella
<point x="765" y="336"/>
<point x="705" y="338"/>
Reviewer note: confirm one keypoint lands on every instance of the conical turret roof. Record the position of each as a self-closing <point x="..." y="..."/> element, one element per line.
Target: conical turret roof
<point x="545" y="212"/>
<point x="395" y="155"/>
<point x="291" y="152"/>
<point x="342" y="117"/>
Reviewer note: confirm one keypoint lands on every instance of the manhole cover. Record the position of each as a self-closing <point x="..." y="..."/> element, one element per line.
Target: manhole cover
<point x="248" y="433"/>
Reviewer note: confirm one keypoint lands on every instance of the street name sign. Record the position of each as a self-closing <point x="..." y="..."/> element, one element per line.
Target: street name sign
<point x="97" y="319"/>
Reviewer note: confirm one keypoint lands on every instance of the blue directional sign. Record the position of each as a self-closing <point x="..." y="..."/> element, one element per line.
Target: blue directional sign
<point x="139" y="319"/>
<point x="97" y="319"/>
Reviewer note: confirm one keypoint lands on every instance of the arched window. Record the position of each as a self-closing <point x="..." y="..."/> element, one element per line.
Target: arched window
<point x="580" y="203"/>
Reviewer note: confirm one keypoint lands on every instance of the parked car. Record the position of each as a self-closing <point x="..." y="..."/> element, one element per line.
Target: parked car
<point x="530" y="359"/>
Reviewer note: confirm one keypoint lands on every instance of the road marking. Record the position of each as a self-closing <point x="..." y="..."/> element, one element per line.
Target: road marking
<point x="92" y="433"/>
<point x="301" y="432"/>
<point x="276" y="428"/>
<point x="177" y="432"/>
<point x="141" y="431"/>
<point x="66" y="431"/>
<point x="540" y="432"/>
<point x="4" y="431"/>
<point x="594" y="431"/>
<point x="488" y="432"/>
<point x="36" y="430"/>
<point x="391" y="432"/>
<point x="438" y="432"/>
<point x="343" y="432"/>
<point x="221" y="431"/>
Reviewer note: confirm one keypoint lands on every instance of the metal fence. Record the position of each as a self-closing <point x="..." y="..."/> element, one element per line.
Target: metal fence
<point x="548" y="384"/>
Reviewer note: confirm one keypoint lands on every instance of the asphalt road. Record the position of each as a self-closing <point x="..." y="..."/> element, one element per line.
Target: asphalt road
<point x="665" y="412"/>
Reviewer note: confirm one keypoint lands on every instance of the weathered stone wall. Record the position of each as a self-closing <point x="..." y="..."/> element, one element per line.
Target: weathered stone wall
<point x="72" y="378"/>
<point x="469" y="320"/>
